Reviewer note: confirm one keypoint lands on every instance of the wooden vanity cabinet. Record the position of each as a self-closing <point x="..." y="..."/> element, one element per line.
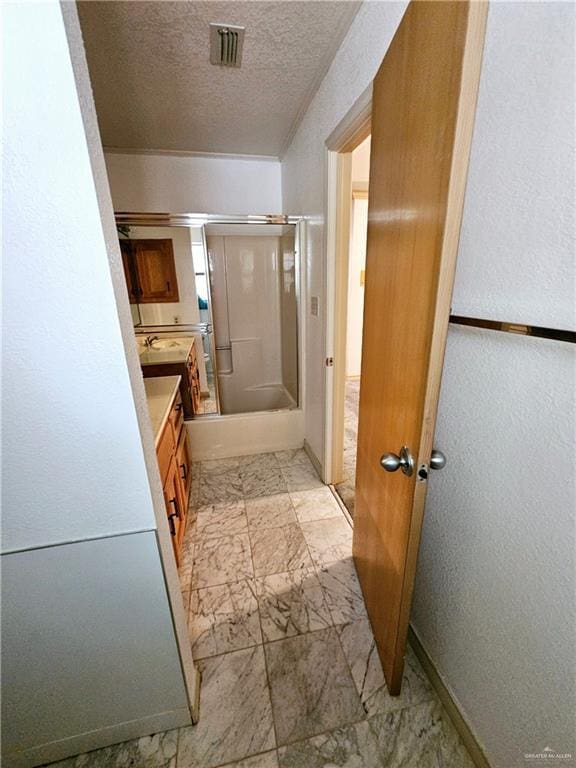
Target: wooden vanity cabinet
<point x="175" y="464"/>
<point x="190" y="383"/>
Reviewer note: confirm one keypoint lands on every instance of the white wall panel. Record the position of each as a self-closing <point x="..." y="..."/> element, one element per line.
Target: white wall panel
<point x="494" y="596"/>
<point x="87" y="645"/>
<point x="173" y="184"/>
<point x="516" y="258"/>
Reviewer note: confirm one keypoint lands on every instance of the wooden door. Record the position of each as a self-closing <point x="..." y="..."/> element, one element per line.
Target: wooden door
<point x="156" y="271"/>
<point x="423" y="107"/>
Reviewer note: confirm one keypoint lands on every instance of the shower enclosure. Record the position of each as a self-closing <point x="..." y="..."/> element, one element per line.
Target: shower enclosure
<point x="231" y="284"/>
<point x="255" y="315"/>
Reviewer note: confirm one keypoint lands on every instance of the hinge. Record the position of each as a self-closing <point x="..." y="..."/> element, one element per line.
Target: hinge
<point x="329" y="362"/>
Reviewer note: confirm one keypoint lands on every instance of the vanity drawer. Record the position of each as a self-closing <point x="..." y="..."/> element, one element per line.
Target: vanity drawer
<point x="176" y="417"/>
<point x="184" y="464"/>
<point x="165" y="450"/>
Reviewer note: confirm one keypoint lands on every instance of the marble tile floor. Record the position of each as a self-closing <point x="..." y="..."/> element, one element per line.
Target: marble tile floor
<point x="290" y="673"/>
<point x="346" y="489"/>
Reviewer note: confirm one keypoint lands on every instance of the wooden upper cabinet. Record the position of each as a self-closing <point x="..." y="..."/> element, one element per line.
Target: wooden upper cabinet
<point x="129" y="271"/>
<point x="156" y="270"/>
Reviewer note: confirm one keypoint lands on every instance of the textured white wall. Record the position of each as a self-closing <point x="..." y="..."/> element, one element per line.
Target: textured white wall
<point x="361" y="162"/>
<point x="303" y="175"/>
<point x="355" y="308"/>
<point x="73" y="463"/>
<point x="75" y="467"/>
<point x="172" y="184"/>
<point x="494" y="598"/>
<point x="517" y="245"/>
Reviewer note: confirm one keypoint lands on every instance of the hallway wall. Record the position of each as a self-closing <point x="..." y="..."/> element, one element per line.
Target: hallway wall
<point x="494" y="597"/>
<point x="189" y="184"/>
<point x="78" y="515"/>
<point x="303" y="176"/>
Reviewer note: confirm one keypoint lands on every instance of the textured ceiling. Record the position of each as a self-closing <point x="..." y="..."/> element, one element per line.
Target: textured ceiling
<point x="154" y="87"/>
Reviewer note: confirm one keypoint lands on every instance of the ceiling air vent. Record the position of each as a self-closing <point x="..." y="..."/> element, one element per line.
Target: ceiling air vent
<point x="226" y="44"/>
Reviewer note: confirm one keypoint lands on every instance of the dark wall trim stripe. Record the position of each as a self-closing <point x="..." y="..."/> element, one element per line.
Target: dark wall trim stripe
<point x="517" y="328"/>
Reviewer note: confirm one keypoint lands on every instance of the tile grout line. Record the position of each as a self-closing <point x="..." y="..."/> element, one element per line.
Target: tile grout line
<point x="177" y="764"/>
<point x="316" y="568"/>
<point x="269" y="687"/>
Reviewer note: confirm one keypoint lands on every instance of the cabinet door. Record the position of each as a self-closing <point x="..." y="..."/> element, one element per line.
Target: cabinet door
<point x="176" y="417"/>
<point x="175" y="508"/>
<point x="184" y="464"/>
<point x="156" y="271"/>
<point x="129" y="270"/>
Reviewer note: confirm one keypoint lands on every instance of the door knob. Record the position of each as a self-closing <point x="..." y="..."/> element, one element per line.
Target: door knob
<point x="437" y="460"/>
<point x="390" y="462"/>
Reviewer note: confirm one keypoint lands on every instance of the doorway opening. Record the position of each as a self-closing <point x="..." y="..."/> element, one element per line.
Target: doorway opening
<point x="355" y="273"/>
<point x="347" y="225"/>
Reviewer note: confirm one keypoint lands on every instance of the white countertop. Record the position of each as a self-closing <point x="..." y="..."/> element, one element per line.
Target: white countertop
<point x="160" y="393"/>
<point x="166" y="350"/>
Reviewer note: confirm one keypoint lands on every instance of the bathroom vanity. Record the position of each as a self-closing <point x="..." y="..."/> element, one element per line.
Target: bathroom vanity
<point x="174" y="357"/>
<point x="172" y="450"/>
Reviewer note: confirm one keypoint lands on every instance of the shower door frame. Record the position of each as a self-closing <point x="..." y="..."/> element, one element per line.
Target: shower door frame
<point x="142" y="219"/>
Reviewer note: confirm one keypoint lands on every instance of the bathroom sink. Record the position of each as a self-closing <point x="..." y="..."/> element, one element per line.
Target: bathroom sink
<point x="181" y="343"/>
<point x="165" y="350"/>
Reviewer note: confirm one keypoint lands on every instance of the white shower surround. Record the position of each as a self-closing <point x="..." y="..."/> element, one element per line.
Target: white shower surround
<point x="248" y="296"/>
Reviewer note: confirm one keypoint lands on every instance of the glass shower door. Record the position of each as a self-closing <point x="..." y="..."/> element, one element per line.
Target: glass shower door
<point x="253" y="286"/>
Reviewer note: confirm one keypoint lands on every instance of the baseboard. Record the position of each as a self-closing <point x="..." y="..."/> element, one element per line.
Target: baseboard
<point x="342" y="506"/>
<point x="313" y="458"/>
<point x="465" y="732"/>
<point x="86" y="742"/>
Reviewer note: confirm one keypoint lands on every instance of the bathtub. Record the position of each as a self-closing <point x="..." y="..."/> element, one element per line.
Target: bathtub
<point x="240" y="434"/>
<point x="261" y="397"/>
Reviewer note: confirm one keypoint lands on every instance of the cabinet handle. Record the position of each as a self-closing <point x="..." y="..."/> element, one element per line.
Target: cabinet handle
<point x="176" y="510"/>
<point x="178" y="407"/>
<point x="171" y="524"/>
<point x="184" y="471"/>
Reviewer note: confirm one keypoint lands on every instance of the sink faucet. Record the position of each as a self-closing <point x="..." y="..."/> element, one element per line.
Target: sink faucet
<point x="149" y="341"/>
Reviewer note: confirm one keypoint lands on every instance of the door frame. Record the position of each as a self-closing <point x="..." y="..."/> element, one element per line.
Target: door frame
<point x="349" y="134"/>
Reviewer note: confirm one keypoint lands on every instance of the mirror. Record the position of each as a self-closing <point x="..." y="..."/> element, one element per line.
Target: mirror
<point x="217" y="305"/>
<point x="166" y="277"/>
